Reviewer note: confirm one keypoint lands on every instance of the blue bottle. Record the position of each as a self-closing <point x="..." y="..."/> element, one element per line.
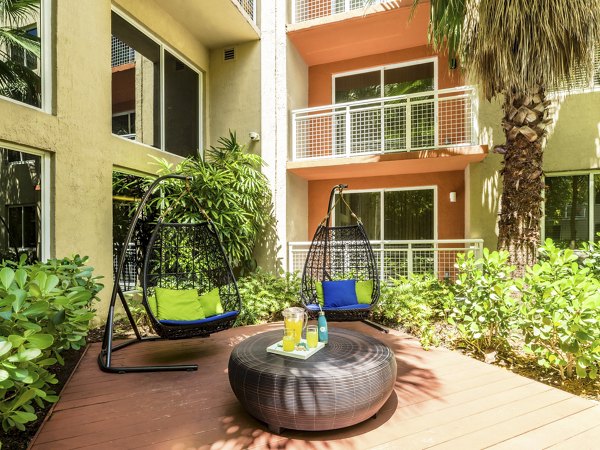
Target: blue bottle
<point x="323" y="334"/>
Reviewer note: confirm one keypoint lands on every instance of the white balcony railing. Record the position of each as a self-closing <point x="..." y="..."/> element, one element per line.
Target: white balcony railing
<point x="250" y="7"/>
<point x="404" y="258"/>
<point x="426" y="120"/>
<point x="312" y="9"/>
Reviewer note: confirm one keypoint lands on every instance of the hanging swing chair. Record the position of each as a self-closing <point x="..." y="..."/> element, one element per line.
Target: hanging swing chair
<point x="177" y="258"/>
<point x="340" y="254"/>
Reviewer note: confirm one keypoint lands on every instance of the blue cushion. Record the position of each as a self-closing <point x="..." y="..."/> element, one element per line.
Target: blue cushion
<point x="315" y="307"/>
<point x="339" y="293"/>
<point x="226" y="315"/>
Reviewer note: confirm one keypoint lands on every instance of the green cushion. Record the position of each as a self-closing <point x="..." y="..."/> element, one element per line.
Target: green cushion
<point x="364" y="291"/>
<point x="211" y="303"/>
<point x="319" y="289"/>
<point x="174" y="304"/>
<point x="152" y="302"/>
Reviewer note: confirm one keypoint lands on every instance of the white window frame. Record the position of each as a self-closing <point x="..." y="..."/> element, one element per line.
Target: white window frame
<point x="591" y="199"/>
<point x="382" y="70"/>
<point x="382" y="192"/>
<point x="128" y="114"/>
<point x="45" y="205"/>
<point x="44" y="27"/>
<point x="165" y="47"/>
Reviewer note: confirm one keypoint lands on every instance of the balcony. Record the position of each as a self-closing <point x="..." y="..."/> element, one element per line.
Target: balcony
<point x="215" y="23"/>
<point x="303" y="10"/>
<point x="423" y="121"/>
<point x="404" y="258"/>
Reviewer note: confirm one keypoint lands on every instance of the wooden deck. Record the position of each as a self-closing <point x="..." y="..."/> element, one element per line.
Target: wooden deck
<point x="442" y="399"/>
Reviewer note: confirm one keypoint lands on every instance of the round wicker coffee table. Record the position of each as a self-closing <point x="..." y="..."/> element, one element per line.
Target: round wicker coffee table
<point x="343" y="384"/>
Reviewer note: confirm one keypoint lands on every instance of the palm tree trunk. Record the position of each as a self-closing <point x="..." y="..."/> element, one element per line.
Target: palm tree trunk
<point x="525" y="123"/>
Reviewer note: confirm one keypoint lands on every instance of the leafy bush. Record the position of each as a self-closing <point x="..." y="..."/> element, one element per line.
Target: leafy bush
<point x="231" y="188"/>
<point x="485" y="303"/>
<point x="559" y="313"/>
<point x="265" y="295"/>
<point x="416" y="304"/>
<point x="44" y="309"/>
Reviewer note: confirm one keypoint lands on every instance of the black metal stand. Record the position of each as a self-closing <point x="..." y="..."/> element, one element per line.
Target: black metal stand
<point x="105" y="356"/>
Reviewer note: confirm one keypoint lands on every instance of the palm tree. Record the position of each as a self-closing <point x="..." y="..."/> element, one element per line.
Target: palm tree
<point x="517" y="49"/>
<point x="17" y="80"/>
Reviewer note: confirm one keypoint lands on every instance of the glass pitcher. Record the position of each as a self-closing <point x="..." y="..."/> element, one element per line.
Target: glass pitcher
<point x="295" y="319"/>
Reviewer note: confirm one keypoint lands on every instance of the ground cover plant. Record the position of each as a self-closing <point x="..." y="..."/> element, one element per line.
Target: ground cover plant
<point x="45" y="310"/>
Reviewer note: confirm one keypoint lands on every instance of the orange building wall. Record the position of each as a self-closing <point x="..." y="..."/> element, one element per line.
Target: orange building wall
<point x="450" y="216"/>
<point x="320" y="76"/>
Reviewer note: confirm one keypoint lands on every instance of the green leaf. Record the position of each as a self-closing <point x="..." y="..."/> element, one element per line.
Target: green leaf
<point x="24" y="398"/>
<point x="37" y="308"/>
<point x="21" y="278"/>
<point x="581" y="373"/>
<point x="5" y="347"/>
<point x="3" y="375"/>
<point x="7" y="275"/>
<point x="41" y="341"/>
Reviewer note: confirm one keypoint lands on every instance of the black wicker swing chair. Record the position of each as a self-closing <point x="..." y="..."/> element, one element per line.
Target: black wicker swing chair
<point x="175" y="256"/>
<point x="340" y="253"/>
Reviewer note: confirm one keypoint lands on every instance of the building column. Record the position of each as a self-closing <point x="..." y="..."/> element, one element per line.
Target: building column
<point x="271" y="253"/>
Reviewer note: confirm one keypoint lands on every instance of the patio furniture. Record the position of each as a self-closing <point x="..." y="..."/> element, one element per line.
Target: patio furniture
<point x="343" y="384"/>
<point x="340" y="253"/>
<point x="178" y="257"/>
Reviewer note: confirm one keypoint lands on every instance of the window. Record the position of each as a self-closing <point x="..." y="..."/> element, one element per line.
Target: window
<point x="580" y="80"/>
<point x="572" y="208"/>
<point x="155" y="94"/>
<point x="405" y="122"/>
<point x="26" y="28"/>
<point x="23" y="200"/>
<point x="408" y="214"/>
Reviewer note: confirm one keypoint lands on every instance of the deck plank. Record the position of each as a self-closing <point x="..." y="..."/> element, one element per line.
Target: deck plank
<point x="441" y="398"/>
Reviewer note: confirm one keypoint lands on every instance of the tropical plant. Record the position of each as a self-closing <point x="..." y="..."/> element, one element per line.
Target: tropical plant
<point x="415" y="304"/>
<point x="45" y="309"/>
<point x="265" y="295"/>
<point x="17" y="80"/>
<point x="229" y="187"/>
<point x="559" y="313"/>
<point x="485" y="302"/>
<point x="517" y="49"/>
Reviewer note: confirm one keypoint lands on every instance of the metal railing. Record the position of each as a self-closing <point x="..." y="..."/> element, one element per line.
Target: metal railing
<point x="425" y="120"/>
<point x="303" y="10"/>
<point x="250" y="7"/>
<point x="404" y="258"/>
<point x="121" y="53"/>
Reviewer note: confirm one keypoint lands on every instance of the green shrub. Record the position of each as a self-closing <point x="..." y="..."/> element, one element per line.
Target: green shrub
<point x="230" y="186"/>
<point x="559" y="313"/>
<point x="416" y="304"/>
<point x="44" y="309"/>
<point x="485" y="301"/>
<point x="265" y="295"/>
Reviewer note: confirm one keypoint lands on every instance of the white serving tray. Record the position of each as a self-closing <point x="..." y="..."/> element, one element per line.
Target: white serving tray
<point x="277" y="348"/>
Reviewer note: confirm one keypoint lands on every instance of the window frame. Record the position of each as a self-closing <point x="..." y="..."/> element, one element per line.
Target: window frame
<point x="590" y="204"/>
<point x="45" y="213"/>
<point x="22" y="207"/>
<point x="164" y="47"/>
<point x="44" y="27"/>
<point x="382" y="69"/>
<point x="382" y="192"/>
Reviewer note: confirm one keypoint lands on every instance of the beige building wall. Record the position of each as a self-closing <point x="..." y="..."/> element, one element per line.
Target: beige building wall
<point x="574" y="144"/>
<point x="77" y="134"/>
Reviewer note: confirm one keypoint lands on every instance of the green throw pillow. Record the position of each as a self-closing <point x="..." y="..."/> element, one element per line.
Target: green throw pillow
<point x="364" y="291"/>
<point x="319" y="289"/>
<point x="152" y="302"/>
<point x="211" y="303"/>
<point x="174" y="304"/>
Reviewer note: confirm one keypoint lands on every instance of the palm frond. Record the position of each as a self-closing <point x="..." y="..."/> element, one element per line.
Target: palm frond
<point x="18" y="13"/>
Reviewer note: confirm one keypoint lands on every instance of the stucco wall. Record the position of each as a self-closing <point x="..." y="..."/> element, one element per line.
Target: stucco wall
<point x="450" y="215"/>
<point x="574" y="144"/>
<point x="234" y="94"/>
<point x="78" y="136"/>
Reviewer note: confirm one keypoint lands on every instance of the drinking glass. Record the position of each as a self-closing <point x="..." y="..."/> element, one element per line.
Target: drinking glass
<point x="288" y="340"/>
<point x="312" y="336"/>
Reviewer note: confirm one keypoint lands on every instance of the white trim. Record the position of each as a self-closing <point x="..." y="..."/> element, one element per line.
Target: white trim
<point x="47" y="58"/>
<point x="45" y="186"/>
<point x="162" y="48"/>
